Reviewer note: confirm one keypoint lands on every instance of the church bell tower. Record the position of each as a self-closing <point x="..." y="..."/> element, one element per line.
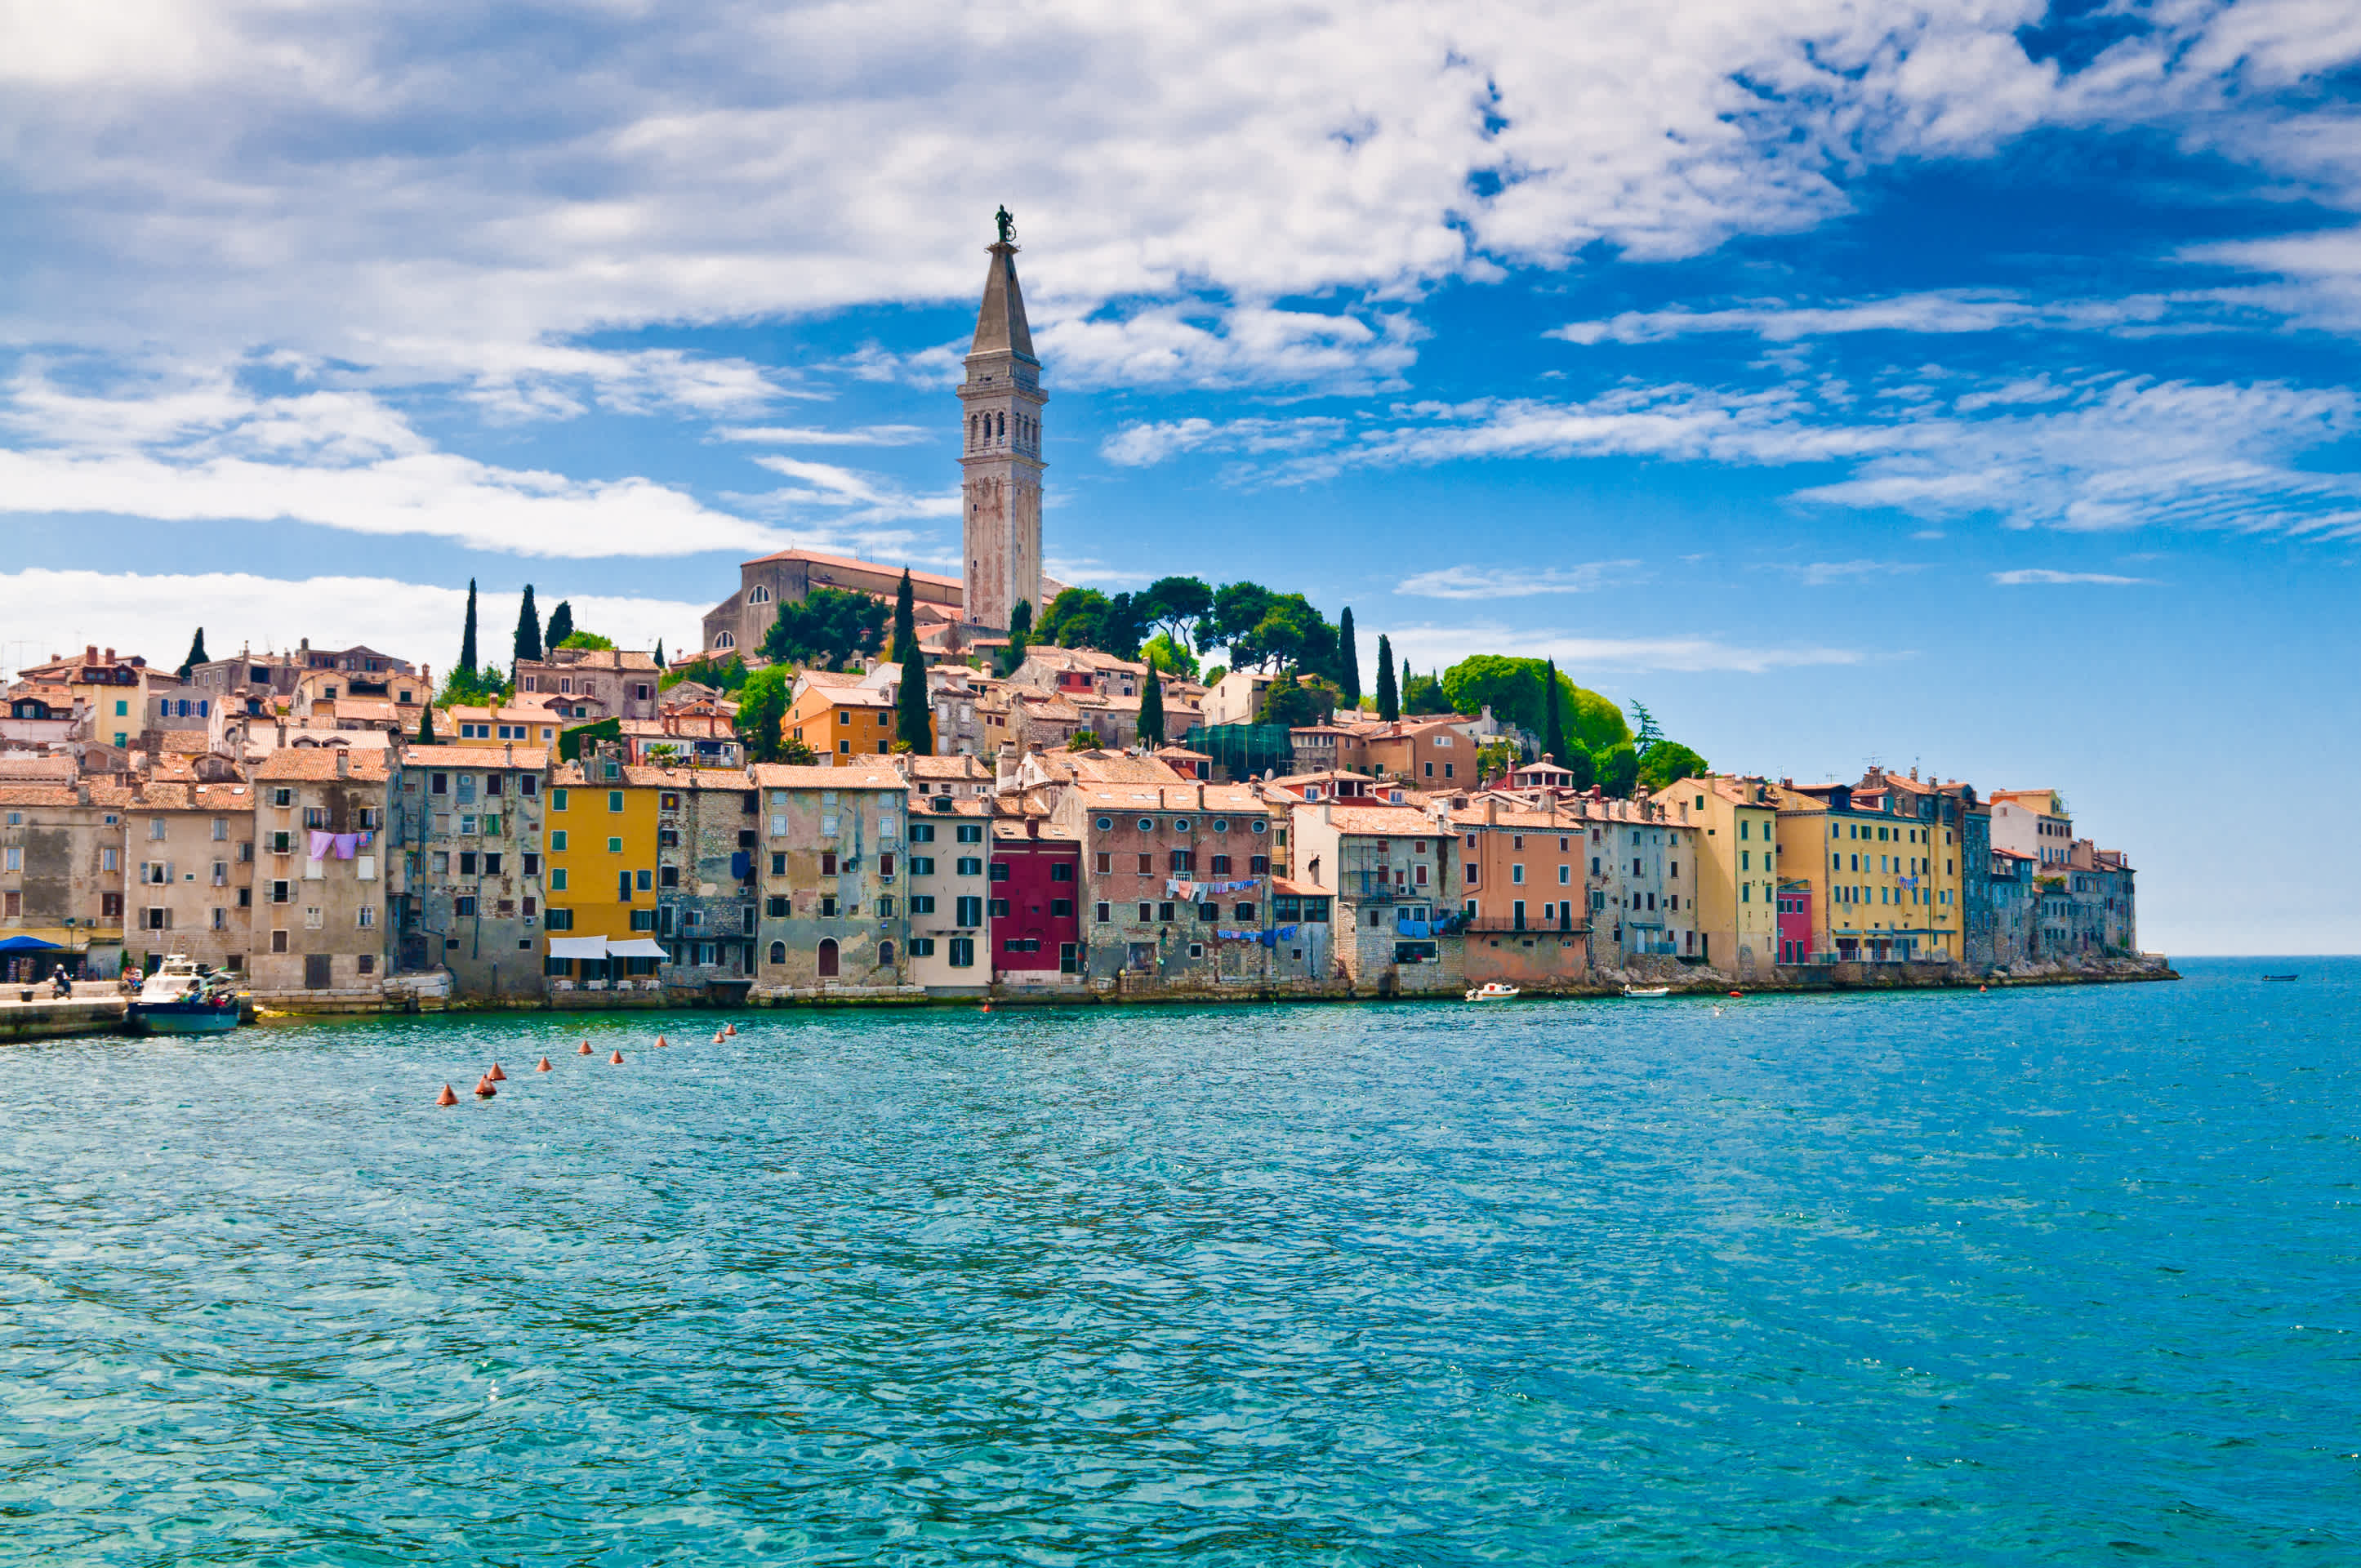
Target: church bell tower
<point x="1000" y="454"/>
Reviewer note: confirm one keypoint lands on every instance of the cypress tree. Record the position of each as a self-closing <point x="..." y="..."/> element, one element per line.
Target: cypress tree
<point x="426" y="725"/>
<point x="904" y="645"/>
<point x="196" y="654"/>
<point x="660" y="659"/>
<point x="528" y="632"/>
<point x="1553" y="721"/>
<point x="1389" y="694"/>
<point x="561" y="624"/>
<point x="1151" y="707"/>
<point x="468" y="637"/>
<point x="1348" y="660"/>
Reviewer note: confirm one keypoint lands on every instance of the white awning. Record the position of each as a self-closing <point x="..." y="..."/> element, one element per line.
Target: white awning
<point x="577" y="947"/>
<point x="637" y="948"/>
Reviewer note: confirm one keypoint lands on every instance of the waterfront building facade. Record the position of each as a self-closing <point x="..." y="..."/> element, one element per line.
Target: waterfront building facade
<point x="832" y="882"/>
<point x="951" y="950"/>
<point x="1734" y="825"/>
<point x="323" y="902"/>
<point x="189" y="851"/>
<point x="472" y="856"/>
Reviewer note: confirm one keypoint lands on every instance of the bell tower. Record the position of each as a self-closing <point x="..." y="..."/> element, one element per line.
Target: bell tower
<point x="1000" y="450"/>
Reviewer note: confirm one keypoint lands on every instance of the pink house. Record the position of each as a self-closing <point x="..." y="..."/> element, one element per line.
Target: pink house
<point x="1795" y="923"/>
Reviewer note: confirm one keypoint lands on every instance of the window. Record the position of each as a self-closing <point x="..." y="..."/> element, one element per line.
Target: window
<point x="1000" y="870"/>
<point x="557" y="879"/>
<point x="1164" y="912"/>
<point x="970" y="912"/>
<point x="464" y="906"/>
<point x="970" y="865"/>
<point x="1106" y="912"/>
<point x="971" y="833"/>
<point x="778" y="863"/>
<point x="999" y="909"/>
<point x="963" y="952"/>
<point x="557" y="800"/>
<point x="922" y="833"/>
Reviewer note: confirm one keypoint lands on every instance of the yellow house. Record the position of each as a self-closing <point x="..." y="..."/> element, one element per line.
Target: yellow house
<point x="844" y="726"/>
<point x="526" y="726"/>
<point x="1737" y="848"/>
<point x="601" y="866"/>
<point x="1876" y="895"/>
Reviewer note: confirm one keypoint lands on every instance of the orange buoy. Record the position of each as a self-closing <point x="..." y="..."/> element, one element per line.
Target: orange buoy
<point x="662" y="1042"/>
<point x="446" y="1097"/>
<point x="718" y="1036"/>
<point x="583" y="1050"/>
<point x="615" y="1059"/>
<point x="496" y="1075"/>
<point x="544" y="1067"/>
<point x="731" y="1030"/>
<point x="1983" y="988"/>
<point x="1738" y="994"/>
<point x="484" y="1089"/>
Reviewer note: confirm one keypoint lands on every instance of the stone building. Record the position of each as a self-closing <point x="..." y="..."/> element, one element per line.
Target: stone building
<point x="322" y="926"/>
<point x="707" y="898"/>
<point x="1000" y="453"/>
<point x="472" y="849"/>
<point x="1156" y="860"/>
<point x="1524" y="903"/>
<point x="832" y="881"/>
<point x="1389" y="870"/>
<point x="740" y="623"/>
<point x="590" y="683"/>
<point x="950" y="942"/>
<point x="61" y="876"/>
<point x="189" y="853"/>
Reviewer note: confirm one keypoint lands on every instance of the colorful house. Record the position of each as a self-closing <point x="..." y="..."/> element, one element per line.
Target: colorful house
<point x="1034" y="906"/>
<point x="833" y="915"/>
<point x="1736" y="823"/>
<point x="601" y="885"/>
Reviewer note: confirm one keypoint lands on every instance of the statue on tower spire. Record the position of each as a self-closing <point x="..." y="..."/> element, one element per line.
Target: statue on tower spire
<point x="1007" y="226"/>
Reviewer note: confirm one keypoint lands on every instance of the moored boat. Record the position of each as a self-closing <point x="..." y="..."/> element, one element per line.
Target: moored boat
<point x="182" y="999"/>
<point x="1647" y="991"/>
<point x="1492" y="991"/>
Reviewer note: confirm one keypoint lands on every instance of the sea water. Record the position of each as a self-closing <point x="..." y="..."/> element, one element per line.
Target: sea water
<point x="2054" y="1276"/>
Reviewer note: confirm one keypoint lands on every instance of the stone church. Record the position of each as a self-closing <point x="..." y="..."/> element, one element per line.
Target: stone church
<point x="1000" y="495"/>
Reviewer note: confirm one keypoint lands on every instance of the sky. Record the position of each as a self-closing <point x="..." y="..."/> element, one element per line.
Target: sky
<point x="1964" y="386"/>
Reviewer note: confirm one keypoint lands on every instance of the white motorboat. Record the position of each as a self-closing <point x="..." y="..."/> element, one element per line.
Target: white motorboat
<point x="1492" y="991"/>
<point x="1647" y="991"/>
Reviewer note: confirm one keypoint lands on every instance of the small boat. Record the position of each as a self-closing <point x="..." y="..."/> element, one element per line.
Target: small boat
<point x="1493" y="991"/>
<point x="2279" y="977"/>
<point x="1647" y="991"/>
<point x="180" y="999"/>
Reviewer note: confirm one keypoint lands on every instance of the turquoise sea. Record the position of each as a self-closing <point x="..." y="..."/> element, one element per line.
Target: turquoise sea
<point x="2068" y="1276"/>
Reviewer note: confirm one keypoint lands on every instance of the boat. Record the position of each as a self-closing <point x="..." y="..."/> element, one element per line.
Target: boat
<point x="1647" y="991"/>
<point x="1492" y="991"/>
<point x="182" y="999"/>
<point x="2279" y="977"/>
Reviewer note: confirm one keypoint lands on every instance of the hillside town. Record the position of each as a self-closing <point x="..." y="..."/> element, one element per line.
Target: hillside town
<point x="873" y="783"/>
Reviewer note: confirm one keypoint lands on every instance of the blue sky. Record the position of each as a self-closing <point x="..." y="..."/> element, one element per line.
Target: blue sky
<point x="1968" y="386"/>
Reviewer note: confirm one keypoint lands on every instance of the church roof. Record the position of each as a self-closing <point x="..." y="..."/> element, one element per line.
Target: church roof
<point x="1000" y="324"/>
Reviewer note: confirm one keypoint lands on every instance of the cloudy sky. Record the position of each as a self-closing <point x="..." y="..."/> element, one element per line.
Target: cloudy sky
<point x="1965" y="384"/>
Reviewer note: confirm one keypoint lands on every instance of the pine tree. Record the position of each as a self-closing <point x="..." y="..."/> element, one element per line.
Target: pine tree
<point x="1151" y="708"/>
<point x="426" y="725"/>
<point x="905" y="623"/>
<point x="528" y="631"/>
<point x="1348" y="660"/>
<point x="1389" y="694"/>
<point x="196" y="654"/>
<point x="467" y="638"/>
<point x="561" y="624"/>
<point x="1553" y="718"/>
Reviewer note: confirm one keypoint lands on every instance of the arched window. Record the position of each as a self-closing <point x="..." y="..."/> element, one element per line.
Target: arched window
<point x="778" y="952"/>
<point x="885" y="954"/>
<point x="828" y="966"/>
<point x="758" y="595"/>
<point x="726" y="640"/>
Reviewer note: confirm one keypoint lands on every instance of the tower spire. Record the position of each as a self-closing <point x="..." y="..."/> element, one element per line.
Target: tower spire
<point x="1000" y="460"/>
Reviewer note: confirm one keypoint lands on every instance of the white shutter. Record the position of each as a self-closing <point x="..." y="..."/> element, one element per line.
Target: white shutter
<point x="366" y="868"/>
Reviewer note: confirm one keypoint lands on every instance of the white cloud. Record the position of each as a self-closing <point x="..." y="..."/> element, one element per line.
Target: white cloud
<point x="200" y="449"/>
<point x="1937" y="311"/>
<point x="156" y="615"/>
<point x="1819" y="574"/>
<point x="216" y="174"/>
<point x="866" y="436"/>
<point x="2025" y="575"/>
<point x="1465" y="582"/>
<point x="1438" y="647"/>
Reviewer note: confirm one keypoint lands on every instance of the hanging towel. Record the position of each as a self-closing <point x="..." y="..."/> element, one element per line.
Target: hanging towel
<point x="321" y="844"/>
<point x="345" y="844"/>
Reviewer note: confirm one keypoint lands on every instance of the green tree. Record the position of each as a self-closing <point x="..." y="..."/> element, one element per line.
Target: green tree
<point x="1496" y="758"/>
<point x="467" y="636"/>
<point x="1151" y="709"/>
<point x="1553" y="722"/>
<point x="1291" y="633"/>
<point x="1389" y="694"/>
<point x="1647" y="733"/>
<point x="1020" y="637"/>
<point x="761" y="704"/>
<point x="589" y="639"/>
<point x="528" y="627"/>
<point x="1513" y="688"/>
<point x="725" y="677"/>
<point x="913" y="717"/>
<point x="561" y="625"/>
<point x="1213" y="673"/>
<point x="660" y="658"/>
<point x="795" y="754"/>
<point x="1295" y="702"/>
<point x="1580" y="764"/>
<point x="1348" y="659"/>
<point x="1075" y="618"/>
<point x="1170" y="655"/>
<point x="1424" y="694"/>
<point x="1177" y="604"/>
<point x="830" y="627"/>
<point x="1618" y="768"/>
<point x="1083" y="740"/>
<point x="1238" y="608"/>
<point x="196" y="654"/>
<point x="426" y="725"/>
<point x="905" y="644"/>
<point x="1668" y="762"/>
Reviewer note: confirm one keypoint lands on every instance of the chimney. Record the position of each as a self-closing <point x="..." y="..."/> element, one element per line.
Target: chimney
<point x="89" y="653"/>
<point x="1201" y="796"/>
<point x="1004" y="770"/>
<point x="1492" y="811"/>
<point x="344" y="764"/>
